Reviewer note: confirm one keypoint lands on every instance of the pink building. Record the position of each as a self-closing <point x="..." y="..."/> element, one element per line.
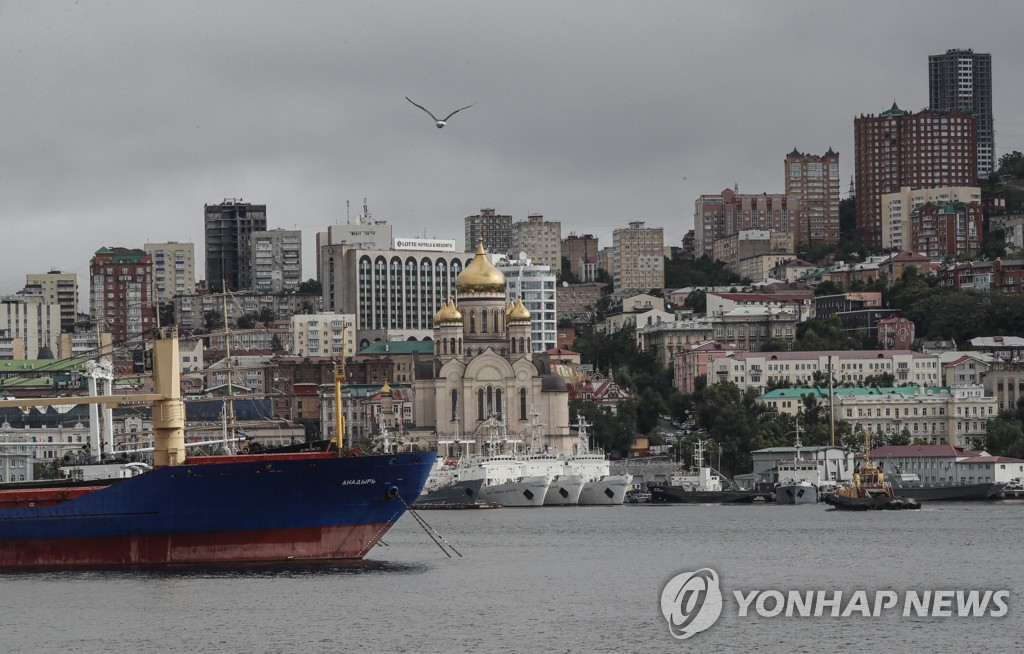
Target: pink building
<point x="693" y="360"/>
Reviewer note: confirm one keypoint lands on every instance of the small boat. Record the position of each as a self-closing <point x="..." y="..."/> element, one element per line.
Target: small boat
<point x="869" y="491"/>
<point x="700" y="485"/>
<point x="637" y="497"/>
<point x="798" y="479"/>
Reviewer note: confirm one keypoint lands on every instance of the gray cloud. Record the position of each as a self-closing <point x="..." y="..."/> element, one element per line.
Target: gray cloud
<point x="121" y="119"/>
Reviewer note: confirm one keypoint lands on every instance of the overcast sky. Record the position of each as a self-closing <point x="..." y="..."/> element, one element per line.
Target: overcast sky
<point x="121" y="119"/>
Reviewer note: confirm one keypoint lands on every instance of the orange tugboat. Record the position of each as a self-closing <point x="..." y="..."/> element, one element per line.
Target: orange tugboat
<point x="870" y="491"/>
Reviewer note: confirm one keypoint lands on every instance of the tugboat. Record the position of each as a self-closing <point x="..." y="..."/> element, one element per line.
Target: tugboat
<point x="870" y="491"/>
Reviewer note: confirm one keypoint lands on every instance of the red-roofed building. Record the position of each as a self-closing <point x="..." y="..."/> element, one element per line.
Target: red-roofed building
<point x="600" y="391"/>
<point x="945" y="463"/>
<point x="800" y="303"/>
<point x="562" y="355"/>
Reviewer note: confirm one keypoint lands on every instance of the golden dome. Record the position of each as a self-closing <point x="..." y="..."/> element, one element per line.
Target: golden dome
<point x="448" y="313"/>
<point x="520" y="312"/>
<point x="480" y="276"/>
<point x="385" y="389"/>
<point x="510" y="307"/>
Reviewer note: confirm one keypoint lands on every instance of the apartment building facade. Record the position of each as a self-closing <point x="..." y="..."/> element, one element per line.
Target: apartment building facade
<point x="897" y="149"/>
<point x="227" y="228"/>
<point x="540" y="239"/>
<point x="637" y="257"/>
<point x="174" y="269"/>
<point x="813" y="181"/>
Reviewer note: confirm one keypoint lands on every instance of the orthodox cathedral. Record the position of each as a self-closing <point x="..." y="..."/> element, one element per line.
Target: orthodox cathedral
<point x="484" y="368"/>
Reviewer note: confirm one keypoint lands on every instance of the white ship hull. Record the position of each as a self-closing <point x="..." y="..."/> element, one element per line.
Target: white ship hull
<point x="528" y="491"/>
<point x="565" y="490"/>
<point x="606" y="491"/>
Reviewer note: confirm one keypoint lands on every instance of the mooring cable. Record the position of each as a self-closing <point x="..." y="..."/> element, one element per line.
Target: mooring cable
<point x="435" y="536"/>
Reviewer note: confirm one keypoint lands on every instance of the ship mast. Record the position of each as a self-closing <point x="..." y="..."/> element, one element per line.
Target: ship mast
<point x="229" y="405"/>
<point x="339" y="378"/>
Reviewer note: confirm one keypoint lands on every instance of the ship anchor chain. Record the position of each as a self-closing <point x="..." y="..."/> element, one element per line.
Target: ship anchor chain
<point x="433" y="533"/>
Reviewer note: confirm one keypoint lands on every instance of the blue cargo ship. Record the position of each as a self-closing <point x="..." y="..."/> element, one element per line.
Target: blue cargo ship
<point x="302" y="506"/>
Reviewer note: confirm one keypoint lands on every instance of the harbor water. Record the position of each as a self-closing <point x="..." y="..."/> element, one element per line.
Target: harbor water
<point x="553" y="580"/>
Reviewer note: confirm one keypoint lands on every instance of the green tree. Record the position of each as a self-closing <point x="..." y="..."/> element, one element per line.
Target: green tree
<point x="699" y="272"/>
<point x="823" y="334"/>
<point x="212" y="320"/>
<point x="828" y="287"/>
<point x="566" y="274"/>
<point x="266" y="316"/>
<point x="276" y="345"/>
<point x="167" y="315"/>
<point x="310" y="287"/>
<point x="697" y="301"/>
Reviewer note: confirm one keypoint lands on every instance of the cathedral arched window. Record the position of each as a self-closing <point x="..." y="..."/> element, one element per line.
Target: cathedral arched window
<point x="521" y="345"/>
<point x="483" y="321"/>
<point x="454" y="351"/>
<point x="455" y="402"/>
<point x="497" y="402"/>
<point x="522" y="404"/>
<point x="490" y="400"/>
<point x="472" y="321"/>
<point x="497" y="322"/>
<point x="480" y="404"/>
<point x="445" y="347"/>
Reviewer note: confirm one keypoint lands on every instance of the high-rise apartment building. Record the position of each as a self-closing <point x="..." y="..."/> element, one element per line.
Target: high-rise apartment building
<point x="275" y="261"/>
<point x="495" y="230"/>
<point x="637" y="258"/>
<point x="122" y="293"/>
<point x="961" y="80"/>
<point x="174" y="269"/>
<point x="535" y="284"/>
<point x="30" y="326"/>
<point x="813" y="181"/>
<point x="228" y="227"/>
<point x="897" y="148"/>
<point x="60" y="289"/>
<point x="731" y="212"/>
<point x="581" y="251"/>
<point x="540" y="240"/>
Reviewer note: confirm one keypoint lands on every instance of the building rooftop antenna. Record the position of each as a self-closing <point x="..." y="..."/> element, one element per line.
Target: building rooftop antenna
<point x="366" y="218"/>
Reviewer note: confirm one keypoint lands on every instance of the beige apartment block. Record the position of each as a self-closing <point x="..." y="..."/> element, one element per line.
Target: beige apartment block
<point x="898" y="207"/>
<point x="637" y="258"/>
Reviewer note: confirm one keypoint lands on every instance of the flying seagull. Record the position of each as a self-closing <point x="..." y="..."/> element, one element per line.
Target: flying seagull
<point x="437" y="121"/>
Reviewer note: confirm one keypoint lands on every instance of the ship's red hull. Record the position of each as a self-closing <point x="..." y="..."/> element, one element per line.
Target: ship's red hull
<point x="300" y="544"/>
